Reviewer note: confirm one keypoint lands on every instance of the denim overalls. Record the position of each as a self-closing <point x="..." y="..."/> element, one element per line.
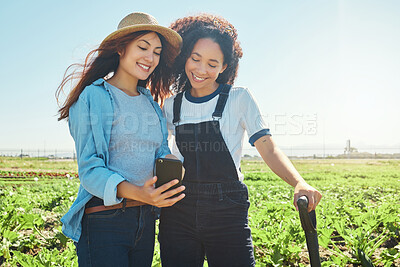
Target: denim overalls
<point x="212" y="220"/>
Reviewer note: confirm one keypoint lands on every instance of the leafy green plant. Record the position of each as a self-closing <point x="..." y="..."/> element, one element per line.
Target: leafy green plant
<point x="358" y="217"/>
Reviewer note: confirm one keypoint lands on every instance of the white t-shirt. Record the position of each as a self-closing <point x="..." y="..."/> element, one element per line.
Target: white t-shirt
<point x="241" y="114"/>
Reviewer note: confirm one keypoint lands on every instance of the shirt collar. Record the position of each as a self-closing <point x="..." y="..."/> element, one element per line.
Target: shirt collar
<point x="141" y="90"/>
<point x="202" y="99"/>
<point x="99" y="81"/>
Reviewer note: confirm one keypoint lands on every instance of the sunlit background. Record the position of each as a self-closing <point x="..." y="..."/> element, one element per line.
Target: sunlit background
<point x="322" y="72"/>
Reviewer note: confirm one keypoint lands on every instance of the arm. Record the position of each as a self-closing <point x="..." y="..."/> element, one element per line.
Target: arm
<point x="151" y="195"/>
<point x="148" y="193"/>
<point x="282" y="167"/>
<point x="94" y="176"/>
<point x="99" y="180"/>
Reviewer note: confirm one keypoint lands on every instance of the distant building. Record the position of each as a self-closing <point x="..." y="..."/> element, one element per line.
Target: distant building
<point x="348" y="149"/>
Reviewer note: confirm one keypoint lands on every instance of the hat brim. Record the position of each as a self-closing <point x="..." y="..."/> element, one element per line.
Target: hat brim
<point x="174" y="40"/>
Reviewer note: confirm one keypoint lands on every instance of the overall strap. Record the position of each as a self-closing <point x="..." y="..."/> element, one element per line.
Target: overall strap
<point x="177" y="107"/>
<point x="223" y="97"/>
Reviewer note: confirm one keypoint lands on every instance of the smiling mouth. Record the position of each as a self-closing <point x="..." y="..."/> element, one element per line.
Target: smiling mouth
<point x="197" y="79"/>
<point x="144" y="67"/>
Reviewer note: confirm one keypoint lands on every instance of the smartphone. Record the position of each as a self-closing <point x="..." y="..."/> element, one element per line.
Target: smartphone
<point x="167" y="170"/>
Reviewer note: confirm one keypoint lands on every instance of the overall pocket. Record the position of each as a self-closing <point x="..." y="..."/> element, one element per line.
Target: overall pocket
<point x="237" y="198"/>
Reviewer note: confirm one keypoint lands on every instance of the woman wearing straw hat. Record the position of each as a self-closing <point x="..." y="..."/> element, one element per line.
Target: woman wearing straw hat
<point x="118" y="131"/>
<point x="207" y="120"/>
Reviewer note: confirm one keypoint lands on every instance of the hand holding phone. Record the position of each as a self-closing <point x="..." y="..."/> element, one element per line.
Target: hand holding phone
<point x="166" y="170"/>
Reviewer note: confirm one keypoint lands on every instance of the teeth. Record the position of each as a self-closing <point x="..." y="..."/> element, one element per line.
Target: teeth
<point x="143" y="66"/>
<point x="198" y="78"/>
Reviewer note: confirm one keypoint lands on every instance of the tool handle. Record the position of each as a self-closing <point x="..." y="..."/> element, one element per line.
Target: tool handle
<point x="309" y="223"/>
<point x="308" y="219"/>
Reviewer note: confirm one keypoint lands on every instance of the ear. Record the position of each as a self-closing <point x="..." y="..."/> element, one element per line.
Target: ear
<point x="121" y="52"/>
<point x="223" y="68"/>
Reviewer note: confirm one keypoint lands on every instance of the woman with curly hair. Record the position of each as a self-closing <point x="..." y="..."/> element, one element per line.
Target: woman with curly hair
<point x="207" y="120"/>
<point x="118" y="131"/>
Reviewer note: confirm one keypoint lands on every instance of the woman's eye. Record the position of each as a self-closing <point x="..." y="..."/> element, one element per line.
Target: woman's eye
<point x="157" y="53"/>
<point x="212" y="66"/>
<point x="143" y="48"/>
<point x="195" y="60"/>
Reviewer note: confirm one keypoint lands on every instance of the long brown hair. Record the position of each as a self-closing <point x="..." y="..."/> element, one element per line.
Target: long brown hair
<point x="102" y="61"/>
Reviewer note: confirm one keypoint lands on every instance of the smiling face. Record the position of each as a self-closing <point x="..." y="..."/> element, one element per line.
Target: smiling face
<point x="140" y="57"/>
<point x="204" y="65"/>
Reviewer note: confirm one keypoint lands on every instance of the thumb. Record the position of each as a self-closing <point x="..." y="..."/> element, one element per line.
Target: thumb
<point x="151" y="181"/>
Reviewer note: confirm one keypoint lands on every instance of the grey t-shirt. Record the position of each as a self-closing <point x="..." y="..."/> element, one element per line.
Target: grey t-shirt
<point x="135" y="137"/>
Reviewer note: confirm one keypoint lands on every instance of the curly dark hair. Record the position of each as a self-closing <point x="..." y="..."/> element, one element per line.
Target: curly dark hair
<point x="218" y="29"/>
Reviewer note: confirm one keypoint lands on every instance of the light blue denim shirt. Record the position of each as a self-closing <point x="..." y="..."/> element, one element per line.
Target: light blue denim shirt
<point x="90" y="122"/>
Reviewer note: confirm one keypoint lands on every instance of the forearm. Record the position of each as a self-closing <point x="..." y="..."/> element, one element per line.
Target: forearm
<point x="147" y="193"/>
<point x="131" y="191"/>
<point x="281" y="165"/>
<point x="278" y="161"/>
<point x="128" y="190"/>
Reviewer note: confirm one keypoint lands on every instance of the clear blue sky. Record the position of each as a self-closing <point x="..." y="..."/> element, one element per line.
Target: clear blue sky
<point x="321" y="71"/>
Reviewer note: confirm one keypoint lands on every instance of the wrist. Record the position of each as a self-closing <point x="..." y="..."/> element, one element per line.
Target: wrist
<point x="128" y="190"/>
<point x="299" y="181"/>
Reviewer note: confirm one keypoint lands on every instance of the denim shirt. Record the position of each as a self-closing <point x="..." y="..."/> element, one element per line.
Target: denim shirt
<point x="90" y="122"/>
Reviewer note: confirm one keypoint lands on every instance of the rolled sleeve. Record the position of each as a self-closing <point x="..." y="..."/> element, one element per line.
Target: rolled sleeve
<point x="251" y="118"/>
<point x="110" y="190"/>
<point x="258" y="135"/>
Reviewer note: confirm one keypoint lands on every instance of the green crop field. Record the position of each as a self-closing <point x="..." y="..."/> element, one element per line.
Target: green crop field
<point x="358" y="217"/>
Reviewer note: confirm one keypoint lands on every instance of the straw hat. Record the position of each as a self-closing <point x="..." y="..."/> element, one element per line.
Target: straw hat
<point x="140" y="21"/>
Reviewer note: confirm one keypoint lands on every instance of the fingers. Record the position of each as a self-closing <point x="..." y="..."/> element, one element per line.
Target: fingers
<point x="317" y="197"/>
<point x="171" y="201"/>
<point x="166" y="199"/>
<point x="296" y="197"/>
<point x="150" y="182"/>
<point x="161" y="196"/>
<point x="311" y="203"/>
<point x="313" y="197"/>
<point x="167" y="186"/>
<point x="173" y="192"/>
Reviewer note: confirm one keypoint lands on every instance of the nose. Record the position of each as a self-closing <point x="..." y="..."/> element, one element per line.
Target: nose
<point x="149" y="57"/>
<point x="201" y="69"/>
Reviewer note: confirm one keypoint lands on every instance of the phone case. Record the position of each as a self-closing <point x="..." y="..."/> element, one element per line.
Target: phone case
<point x="167" y="170"/>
